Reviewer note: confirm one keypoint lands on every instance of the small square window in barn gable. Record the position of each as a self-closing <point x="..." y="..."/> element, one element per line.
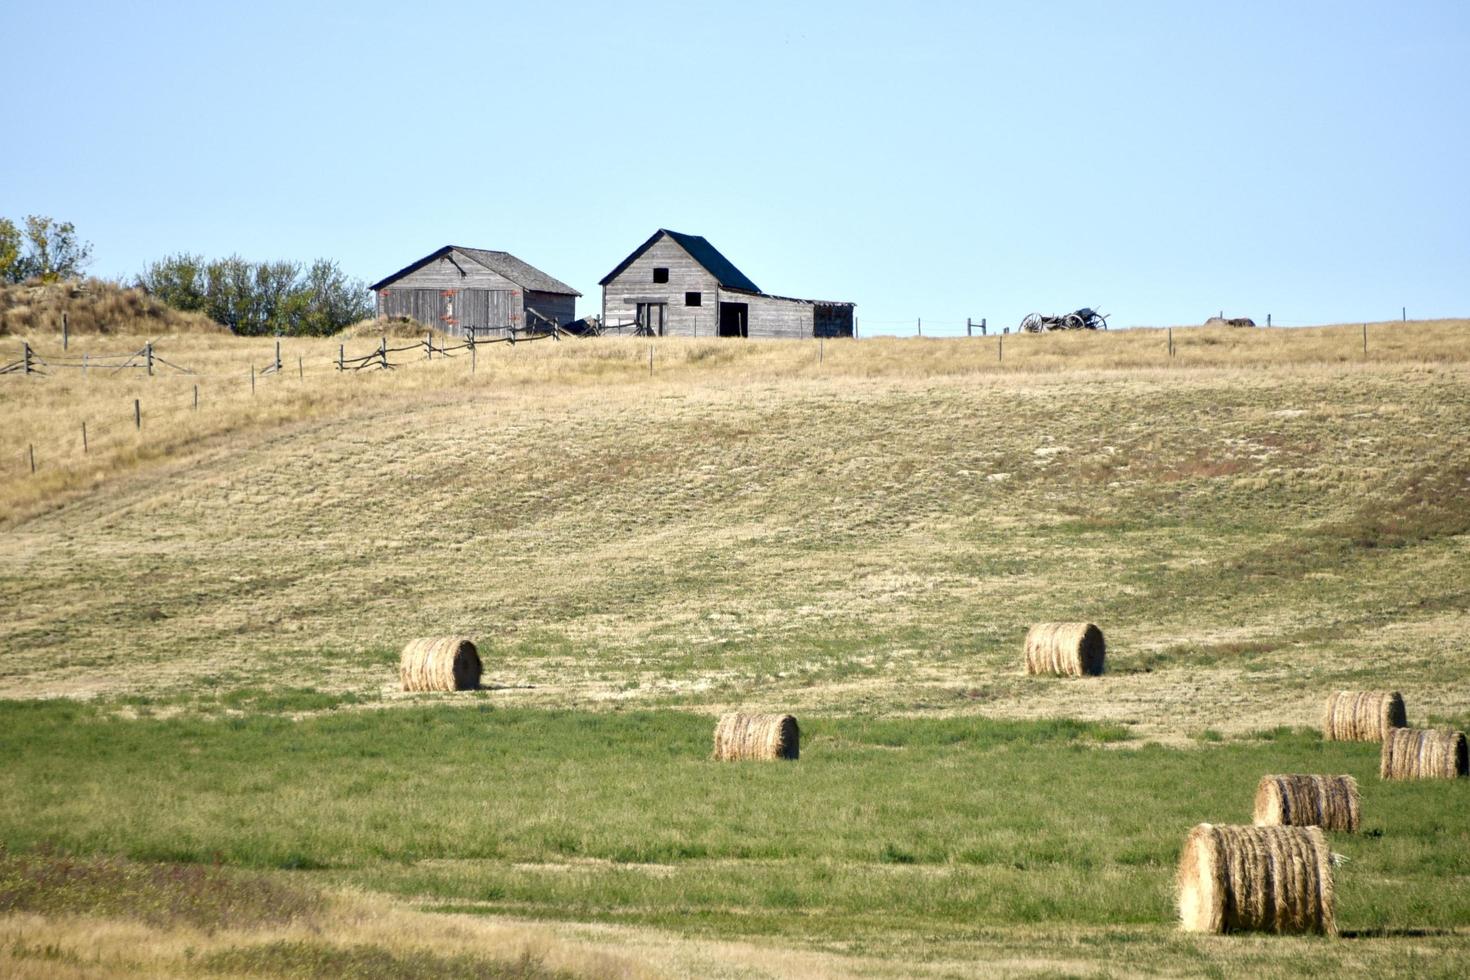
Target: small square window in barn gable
<point x="660" y="274"/>
<point x="693" y="299"/>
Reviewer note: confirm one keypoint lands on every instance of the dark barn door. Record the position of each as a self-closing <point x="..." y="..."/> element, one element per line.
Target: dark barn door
<point x="734" y="319"/>
<point x="651" y="318"/>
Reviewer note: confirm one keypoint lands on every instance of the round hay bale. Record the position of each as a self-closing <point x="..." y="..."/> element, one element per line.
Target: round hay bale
<point x="1263" y="879"/>
<point x="1068" y="649"/>
<point x="1362" y="716"/>
<point x="439" y="663"/>
<point x="1329" y="802"/>
<point x="1423" y="753"/>
<point x="743" y="736"/>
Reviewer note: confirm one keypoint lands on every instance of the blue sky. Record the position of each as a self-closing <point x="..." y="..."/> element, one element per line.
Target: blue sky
<point x="1160" y="161"/>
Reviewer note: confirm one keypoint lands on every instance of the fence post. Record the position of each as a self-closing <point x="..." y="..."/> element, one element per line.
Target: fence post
<point x="1404" y="312"/>
<point x="472" y="350"/>
<point x="85" y="448"/>
<point x="252" y="379"/>
<point x="383" y="351"/>
<point x="138" y="414"/>
<point x="65" y="332"/>
<point x="969" y="329"/>
<point x="148" y="348"/>
<point x="33" y="457"/>
<point x="300" y="368"/>
<point x="1171" y="341"/>
<point x="1000" y="347"/>
<point x="278" y="355"/>
<point x="982" y="326"/>
<point x="919" y="325"/>
<point x="1268" y="319"/>
<point x="196" y="398"/>
<point x="26" y="356"/>
<point x="429" y="344"/>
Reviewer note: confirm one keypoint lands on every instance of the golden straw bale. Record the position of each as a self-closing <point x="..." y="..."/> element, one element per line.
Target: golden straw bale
<point x="1423" y="753"/>
<point x="743" y="736"/>
<point x="440" y="663"/>
<point x="1069" y="649"/>
<point x="1265" y="879"/>
<point x="1329" y="802"/>
<point x="1362" y="716"/>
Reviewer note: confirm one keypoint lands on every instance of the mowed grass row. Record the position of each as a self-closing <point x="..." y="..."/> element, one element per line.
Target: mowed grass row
<point x="884" y="829"/>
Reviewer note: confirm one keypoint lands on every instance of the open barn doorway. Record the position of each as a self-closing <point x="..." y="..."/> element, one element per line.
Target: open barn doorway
<point x="734" y="319"/>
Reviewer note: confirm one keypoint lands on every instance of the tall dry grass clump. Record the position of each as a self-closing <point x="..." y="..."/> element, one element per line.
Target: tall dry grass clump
<point x="750" y="736"/>
<point x="92" y="306"/>
<point x="1423" y="753"/>
<point x="1329" y="802"/>
<point x="1362" y="716"/>
<point x="1068" y="649"/>
<point x="1256" y="879"/>
<point x="439" y="663"/>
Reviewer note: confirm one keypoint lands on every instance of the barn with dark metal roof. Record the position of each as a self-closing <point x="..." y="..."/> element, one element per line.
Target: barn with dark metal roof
<point x="458" y="289"/>
<point x="680" y="285"/>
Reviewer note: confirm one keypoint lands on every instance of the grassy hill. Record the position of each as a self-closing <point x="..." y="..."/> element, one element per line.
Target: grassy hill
<point x="857" y="531"/>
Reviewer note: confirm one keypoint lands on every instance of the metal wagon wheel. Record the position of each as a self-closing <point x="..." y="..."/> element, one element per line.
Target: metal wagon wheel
<point x="1032" y="323"/>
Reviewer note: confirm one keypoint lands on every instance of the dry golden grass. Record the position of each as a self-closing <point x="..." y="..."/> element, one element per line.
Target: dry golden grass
<point x="47" y="412"/>
<point x="92" y="306"/>
<point x="616" y="533"/>
<point x="363" y="932"/>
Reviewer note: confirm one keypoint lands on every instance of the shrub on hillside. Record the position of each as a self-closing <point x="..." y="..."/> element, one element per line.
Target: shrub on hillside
<point x="254" y="298"/>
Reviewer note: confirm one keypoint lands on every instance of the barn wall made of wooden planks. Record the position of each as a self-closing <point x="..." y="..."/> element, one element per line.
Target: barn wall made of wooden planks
<point x="635" y="285"/>
<point x="773" y="317"/>
<point x="452" y="293"/>
<point x="554" y="306"/>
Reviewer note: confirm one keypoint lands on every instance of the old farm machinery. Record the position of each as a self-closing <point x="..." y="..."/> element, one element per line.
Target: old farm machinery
<point x="1083" y="319"/>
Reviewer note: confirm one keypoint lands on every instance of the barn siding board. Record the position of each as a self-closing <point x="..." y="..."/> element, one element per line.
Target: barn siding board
<point x="775" y="318"/>
<point x="635" y="285"/>
<point x="555" y="306"/>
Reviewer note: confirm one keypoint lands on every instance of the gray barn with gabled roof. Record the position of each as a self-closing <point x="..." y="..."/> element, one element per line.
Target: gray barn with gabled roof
<point x="680" y="285"/>
<point x="456" y="289"/>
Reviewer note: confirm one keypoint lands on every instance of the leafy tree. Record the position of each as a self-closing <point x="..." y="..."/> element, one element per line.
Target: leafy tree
<point x="44" y="249"/>
<point x="9" y="251"/>
<point x="254" y="298"/>
<point x="178" y="280"/>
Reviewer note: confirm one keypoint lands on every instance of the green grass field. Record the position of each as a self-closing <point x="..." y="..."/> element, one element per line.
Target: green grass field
<point x="199" y="661"/>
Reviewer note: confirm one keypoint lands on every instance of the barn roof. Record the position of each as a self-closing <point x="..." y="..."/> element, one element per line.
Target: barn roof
<point x="702" y="252"/>
<point x="521" y="273"/>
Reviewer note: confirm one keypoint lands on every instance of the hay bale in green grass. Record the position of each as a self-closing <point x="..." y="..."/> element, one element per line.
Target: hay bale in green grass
<point x="1067" y="649"/>
<point x="1256" y="879"/>
<point x="1329" y="802"/>
<point x="440" y="663"/>
<point x="1423" y="753"/>
<point x="1362" y="716"/>
<point x="757" y="736"/>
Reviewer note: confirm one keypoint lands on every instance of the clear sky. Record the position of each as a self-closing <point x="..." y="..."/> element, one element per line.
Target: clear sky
<point x="1159" y="161"/>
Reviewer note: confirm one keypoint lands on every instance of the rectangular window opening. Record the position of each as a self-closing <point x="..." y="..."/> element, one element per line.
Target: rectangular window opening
<point x="660" y="274"/>
<point x="693" y="299"/>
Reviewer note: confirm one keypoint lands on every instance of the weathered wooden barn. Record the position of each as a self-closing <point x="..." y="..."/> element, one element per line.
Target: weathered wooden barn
<point x="456" y="289"/>
<point x="680" y="285"/>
